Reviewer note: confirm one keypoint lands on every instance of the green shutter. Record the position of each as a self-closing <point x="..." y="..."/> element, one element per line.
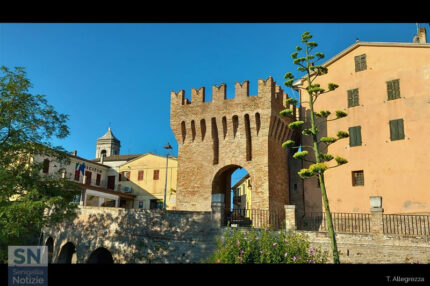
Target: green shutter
<point x="354" y="136"/>
<point x="356" y="103"/>
<point x="350" y="98"/>
<point x="363" y="62"/>
<point x="357" y="63"/>
<point x="393" y="130"/>
<point x="396" y="89"/>
<point x="393" y="89"/>
<point x="351" y="136"/>
<point x="390" y="90"/>
<point x="400" y="130"/>
<point x="397" y="129"/>
<point x="358" y="135"/>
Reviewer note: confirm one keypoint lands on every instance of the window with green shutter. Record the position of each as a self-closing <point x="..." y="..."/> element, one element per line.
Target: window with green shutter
<point x="360" y="63"/>
<point x="393" y="89"/>
<point x="353" y="97"/>
<point x="357" y="178"/>
<point x="355" y="136"/>
<point x="397" y="130"/>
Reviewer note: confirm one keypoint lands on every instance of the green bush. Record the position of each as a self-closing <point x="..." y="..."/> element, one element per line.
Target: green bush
<point x="264" y="246"/>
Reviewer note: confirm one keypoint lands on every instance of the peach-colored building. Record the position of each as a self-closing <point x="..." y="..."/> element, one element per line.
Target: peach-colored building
<point x="385" y="90"/>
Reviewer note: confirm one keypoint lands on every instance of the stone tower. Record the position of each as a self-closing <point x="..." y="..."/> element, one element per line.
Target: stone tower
<point x="216" y="138"/>
<point x="108" y="144"/>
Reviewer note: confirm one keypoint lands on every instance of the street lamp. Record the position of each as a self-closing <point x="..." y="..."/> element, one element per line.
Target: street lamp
<point x="167" y="147"/>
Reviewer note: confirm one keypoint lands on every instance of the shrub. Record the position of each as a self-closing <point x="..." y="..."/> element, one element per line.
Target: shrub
<point x="262" y="246"/>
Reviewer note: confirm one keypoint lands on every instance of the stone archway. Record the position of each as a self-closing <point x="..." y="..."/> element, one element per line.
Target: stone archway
<point x="221" y="185"/>
<point x="100" y="256"/>
<point x="50" y="244"/>
<point x="67" y="254"/>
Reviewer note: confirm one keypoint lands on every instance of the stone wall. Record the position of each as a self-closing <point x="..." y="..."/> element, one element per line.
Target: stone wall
<point x="155" y="236"/>
<point x="138" y="236"/>
<point x="368" y="248"/>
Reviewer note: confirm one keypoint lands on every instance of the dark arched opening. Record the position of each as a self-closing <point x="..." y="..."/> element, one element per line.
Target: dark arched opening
<point x="231" y="187"/>
<point x="50" y="244"/>
<point x="67" y="254"/>
<point x="100" y="256"/>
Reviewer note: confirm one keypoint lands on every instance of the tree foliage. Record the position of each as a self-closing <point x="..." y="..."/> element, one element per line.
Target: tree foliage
<point x="29" y="199"/>
<point x="308" y="63"/>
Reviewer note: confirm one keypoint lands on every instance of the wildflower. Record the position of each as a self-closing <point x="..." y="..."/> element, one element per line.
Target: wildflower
<point x="312" y="251"/>
<point x="237" y="242"/>
<point x="286" y="254"/>
<point x="294" y="258"/>
<point x="311" y="261"/>
<point x="299" y="257"/>
<point x="274" y="244"/>
<point x="217" y="261"/>
<point x="240" y="258"/>
<point x="262" y="251"/>
<point x="241" y="251"/>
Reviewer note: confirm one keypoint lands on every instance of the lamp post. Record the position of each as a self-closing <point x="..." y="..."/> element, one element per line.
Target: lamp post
<point x="167" y="147"/>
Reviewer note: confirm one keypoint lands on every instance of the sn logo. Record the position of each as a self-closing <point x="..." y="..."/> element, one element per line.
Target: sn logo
<point x="28" y="255"/>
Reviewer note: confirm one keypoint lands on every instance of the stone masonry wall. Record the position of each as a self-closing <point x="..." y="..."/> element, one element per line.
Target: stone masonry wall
<point x="138" y="236"/>
<point x="371" y="249"/>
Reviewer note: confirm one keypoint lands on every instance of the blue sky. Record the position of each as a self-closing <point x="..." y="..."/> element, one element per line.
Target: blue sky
<point x="123" y="73"/>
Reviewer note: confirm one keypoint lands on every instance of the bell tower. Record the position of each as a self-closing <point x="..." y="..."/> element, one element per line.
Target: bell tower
<point x="107" y="145"/>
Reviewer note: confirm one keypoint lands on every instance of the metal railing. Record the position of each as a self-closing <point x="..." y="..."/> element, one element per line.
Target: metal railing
<point x="255" y="218"/>
<point x="342" y="222"/>
<point x="406" y="224"/>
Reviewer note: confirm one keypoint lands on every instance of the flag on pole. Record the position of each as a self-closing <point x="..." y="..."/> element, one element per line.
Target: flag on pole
<point x="82" y="168"/>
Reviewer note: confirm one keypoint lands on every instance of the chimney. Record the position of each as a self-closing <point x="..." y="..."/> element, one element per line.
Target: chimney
<point x="74" y="153"/>
<point x="422" y="39"/>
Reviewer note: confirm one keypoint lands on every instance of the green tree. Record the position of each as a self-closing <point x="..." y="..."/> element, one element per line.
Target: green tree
<point x="29" y="199"/>
<point x="319" y="161"/>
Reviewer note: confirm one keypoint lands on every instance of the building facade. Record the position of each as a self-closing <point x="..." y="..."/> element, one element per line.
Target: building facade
<point x="242" y="192"/>
<point x="145" y="177"/>
<point x="385" y="90"/>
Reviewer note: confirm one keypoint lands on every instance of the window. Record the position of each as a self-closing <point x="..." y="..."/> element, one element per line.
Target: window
<point x="46" y="166"/>
<point x="77" y="175"/>
<point x="124" y="176"/>
<point x="357" y="178"/>
<point x="98" y="179"/>
<point x="360" y="63"/>
<point x="156" y="174"/>
<point x="396" y="130"/>
<point x="140" y="175"/>
<point x="156" y="204"/>
<point x="88" y="177"/>
<point x="295" y="187"/>
<point x="353" y="97"/>
<point x="355" y="136"/>
<point x="393" y="89"/>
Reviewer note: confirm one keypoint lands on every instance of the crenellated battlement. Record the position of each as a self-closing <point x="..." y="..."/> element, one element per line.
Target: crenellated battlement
<point x="266" y="88"/>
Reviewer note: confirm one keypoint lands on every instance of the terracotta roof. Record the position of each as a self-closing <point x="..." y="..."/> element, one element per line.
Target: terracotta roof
<point x="118" y="158"/>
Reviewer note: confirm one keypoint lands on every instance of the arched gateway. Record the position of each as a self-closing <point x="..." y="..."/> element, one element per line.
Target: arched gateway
<point x="217" y="137"/>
